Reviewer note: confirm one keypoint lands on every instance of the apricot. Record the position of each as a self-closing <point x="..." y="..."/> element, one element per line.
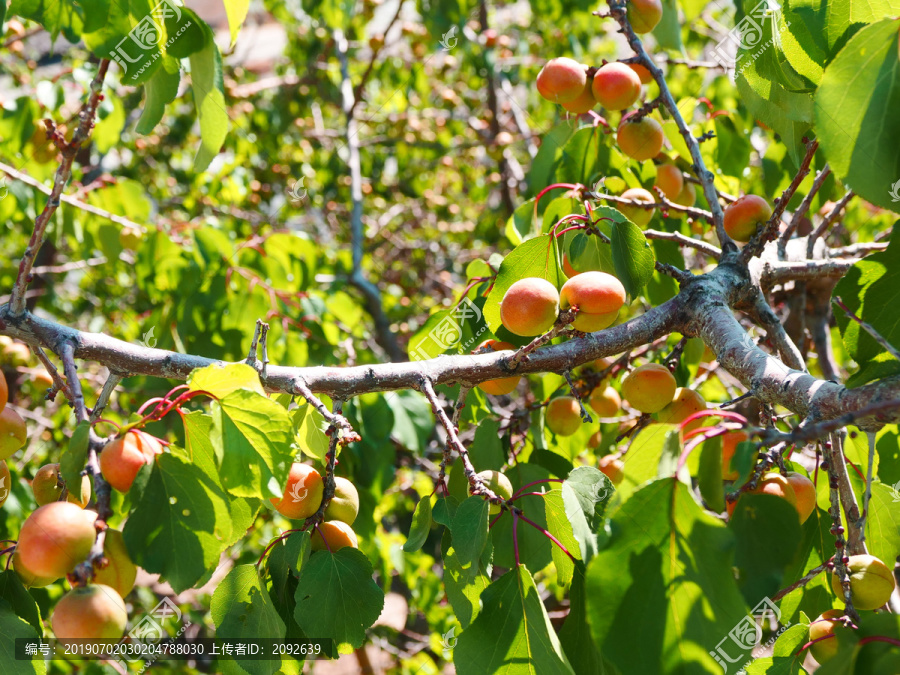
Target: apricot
<point x="636" y="214"/>
<point x="567" y="267"/>
<point x="4" y="392"/>
<point x="336" y="534"/>
<point x="120" y="572"/>
<point x="302" y="494"/>
<point x="94" y="612"/>
<point x="55" y="538"/>
<point x="595" y="440"/>
<point x="5" y="482"/>
<point x="643" y="15"/>
<point x="824" y="627"/>
<point x="649" y="388"/>
<point x="745" y="216"/>
<point x="530" y="307"/>
<point x="643" y="74"/>
<point x="805" y="491"/>
<point x="564" y="416"/>
<point x="28" y="579"/>
<point x="612" y="468"/>
<point x="562" y="80"/>
<point x="122" y="458"/>
<point x="583" y="103"/>
<point x="497" y="483"/>
<point x="772" y="483"/>
<point x="687" y="196"/>
<point x="871" y="582"/>
<point x="593" y="292"/>
<point x="606" y="401"/>
<point x="12" y="432"/>
<point x="502" y="385"/>
<point x="640" y="139"/>
<point x="670" y="180"/>
<point x="344" y="505"/>
<point x="685" y="403"/>
<point x="616" y="86"/>
<point x="48" y="487"/>
<point x="730" y="441"/>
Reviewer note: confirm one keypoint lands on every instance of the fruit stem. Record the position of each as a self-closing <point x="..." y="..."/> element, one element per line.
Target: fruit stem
<point x="535" y="482"/>
<point x="284" y="535"/>
<point x="516" y="536"/>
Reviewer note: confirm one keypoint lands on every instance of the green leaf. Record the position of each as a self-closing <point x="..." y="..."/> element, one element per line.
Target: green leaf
<point x="786" y="659"/>
<point x="533" y="258"/>
<point x="242" y="609"/>
<point x="709" y="477"/>
<point x="543" y="164"/>
<point x="871" y="289"/>
<point x="253" y="443"/>
<point x="421" y="525"/>
<point x="575" y="634"/>
<point x="209" y="97"/>
<point x="237" y="13"/>
<point x="663" y="587"/>
<point x="12" y="627"/>
<point x="470" y="529"/>
<point x="310" y="431"/>
<point x="668" y="30"/>
<point x="856" y="113"/>
<point x="73" y="459"/>
<point x="221" y="379"/>
<point x="181" y="510"/>
<point x="337" y="598"/>
<point x="55" y="17"/>
<point x="632" y="256"/>
<point x="19" y="599"/>
<point x="465" y="584"/>
<point x="559" y="526"/>
<point x="585" y="492"/>
<point x="512" y="634"/>
<point x="767" y="530"/>
<point x="159" y="91"/>
<point x="883" y="523"/>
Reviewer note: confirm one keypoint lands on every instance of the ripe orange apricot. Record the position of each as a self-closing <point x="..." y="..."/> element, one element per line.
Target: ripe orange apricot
<point x="649" y="388"/>
<point x="606" y="401"/>
<point x="805" y="491"/>
<point x="530" y="307"/>
<point x="90" y="612"/>
<point x="564" y="416"/>
<point x="643" y="15"/>
<point x="730" y="441"/>
<point x="336" y="533"/>
<point x="4" y="392"/>
<point x="5" y="482"/>
<point x="643" y="74"/>
<point x="745" y="216"/>
<point x="562" y="80"/>
<point x="122" y="458"/>
<point x="871" y="582"/>
<point x="613" y="468"/>
<point x="303" y="493"/>
<point x="616" y="86"/>
<point x="823" y="626"/>
<point x="567" y="267"/>
<point x="583" y="103"/>
<point x="640" y="139"/>
<point x="772" y="483"/>
<point x="599" y="297"/>
<point x="595" y="440"/>
<point x="497" y="483"/>
<point x="48" y="487"/>
<point x="685" y="403"/>
<point x="120" y="572"/>
<point x="636" y="214"/>
<point x="12" y="432"/>
<point x="670" y="180"/>
<point x="502" y="385"/>
<point x="55" y="538"/>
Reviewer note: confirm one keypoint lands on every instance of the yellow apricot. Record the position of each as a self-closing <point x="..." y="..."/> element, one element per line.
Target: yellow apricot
<point x="670" y="180"/>
<point x="637" y="215"/>
<point x="563" y="416"/>
<point x="805" y="491"/>
<point x="730" y="441"/>
<point x="616" y="86"/>
<point x="55" y="538"/>
<point x="561" y="80"/>
<point x="336" y="533"/>
<point x="94" y="612"/>
<point x="497" y="483"/>
<point x="303" y="493"/>
<point x="12" y="432"/>
<point x="824" y="626"/>
<point x="120" y="572"/>
<point x="871" y="582"/>
<point x="745" y="216"/>
<point x="612" y="468"/>
<point x="644" y="15"/>
<point x="649" y="388"/>
<point x="606" y="401"/>
<point x="685" y="403"/>
<point x="502" y="385"/>
<point x="5" y="482"/>
<point x="583" y="103"/>
<point x="640" y="139"/>
<point x="598" y="296"/>
<point x="772" y="483"/>
<point x="530" y="307"/>
<point x="48" y="487"/>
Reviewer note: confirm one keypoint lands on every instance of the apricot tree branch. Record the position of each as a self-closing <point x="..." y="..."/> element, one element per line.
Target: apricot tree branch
<point x="67" y="355"/>
<point x="618" y="12"/>
<point x="63" y="174"/>
<point x="780" y="272"/>
<point x="684" y="240"/>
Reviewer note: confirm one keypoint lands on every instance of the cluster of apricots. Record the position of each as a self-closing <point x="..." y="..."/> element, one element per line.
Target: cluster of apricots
<point x="302" y="498"/>
<point x="617" y="86"/>
<point x="871" y="585"/>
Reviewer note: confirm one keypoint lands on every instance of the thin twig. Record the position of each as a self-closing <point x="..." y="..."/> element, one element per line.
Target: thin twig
<point x="59" y="384"/>
<point x="802" y="210"/>
<point x="878" y="337"/>
<point x="67" y="355"/>
<point x="684" y="240"/>
<point x="103" y="400"/>
<point x="827" y="222"/>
